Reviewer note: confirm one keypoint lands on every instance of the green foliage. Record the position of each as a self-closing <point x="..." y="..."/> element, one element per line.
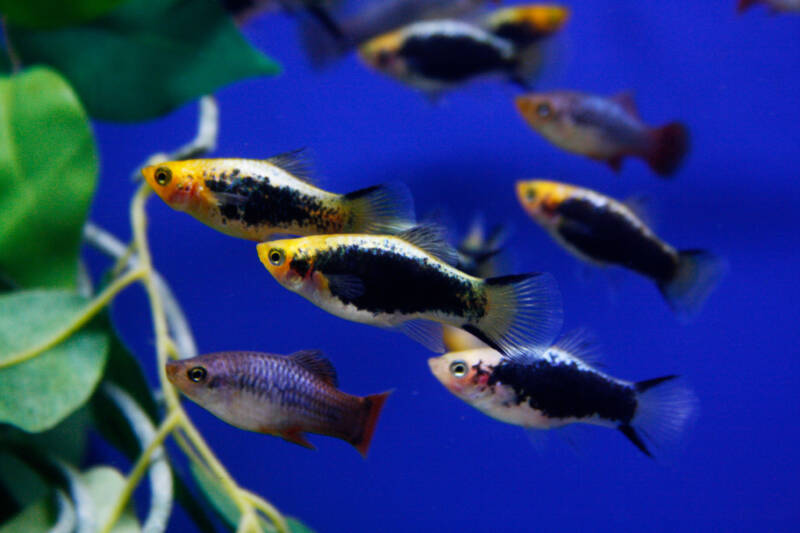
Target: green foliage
<point x="48" y="169"/>
<point x="36" y="517"/>
<point x="147" y="57"/>
<point x="227" y="509"/>
<point x="53" y="13"/>
<point x="104" y="486"/>
<point x="38" y="393"/>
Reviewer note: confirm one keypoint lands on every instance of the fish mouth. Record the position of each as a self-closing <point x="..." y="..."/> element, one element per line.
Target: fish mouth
<point x="172" y="369"/>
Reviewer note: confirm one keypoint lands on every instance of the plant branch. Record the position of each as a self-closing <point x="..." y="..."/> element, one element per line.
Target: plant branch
<point x="248" y="520"/>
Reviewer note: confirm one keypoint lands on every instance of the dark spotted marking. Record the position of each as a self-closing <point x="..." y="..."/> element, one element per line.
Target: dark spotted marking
<point x="608" y="237"/>
<point x="563" y="390"/>
<point x="300" y="265"/>
<point x="263" y="204"/>
<point x="452" y="58"/>
<point x="394" y="283"/>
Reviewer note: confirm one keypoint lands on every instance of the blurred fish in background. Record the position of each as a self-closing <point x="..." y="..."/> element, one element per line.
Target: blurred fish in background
<point x="437" y="55"/>
<point x="605" y="129"/>
<point x="774" y="6"/>
<point x="603" y="231"/>
<point x="562" y="388"/>
<point x="376" y="18"/>
<point x="320" y="10"/>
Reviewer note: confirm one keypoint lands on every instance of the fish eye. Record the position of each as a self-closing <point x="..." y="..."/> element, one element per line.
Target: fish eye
<point x="530" y="194"/>
<point x="197" y="374"/>
<point x="276" y="256"/>
<point x="458" y="369"/>
<point x="163" y="175"/>
<point x="544" y="110"/>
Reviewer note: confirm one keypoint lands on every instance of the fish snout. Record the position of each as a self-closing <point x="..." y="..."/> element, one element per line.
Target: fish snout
<point x="173" y="369"/>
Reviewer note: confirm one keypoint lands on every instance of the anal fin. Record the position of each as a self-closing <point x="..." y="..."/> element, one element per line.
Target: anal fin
<point x="296" y="435"/>
<point x="429" y="334"/>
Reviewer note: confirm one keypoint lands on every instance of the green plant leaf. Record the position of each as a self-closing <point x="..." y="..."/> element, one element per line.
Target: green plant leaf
<point x="53" y="13"/>
<point x="66" y="441"/>
<point x="147" y="57"/>
<point x="48" y="168"/>
<point x="37" y="394"/>
<point x="225" y="506"/>
<point x="104" y="486"/>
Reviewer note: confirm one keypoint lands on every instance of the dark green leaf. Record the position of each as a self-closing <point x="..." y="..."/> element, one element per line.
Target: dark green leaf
<point x="35" y="518"/>
<point x="48" y="169"/>
<point x="37" y="394"/>
<point x="66" y="441"/>
<point x="147" y="57"/>
<point x="53" y="13"/>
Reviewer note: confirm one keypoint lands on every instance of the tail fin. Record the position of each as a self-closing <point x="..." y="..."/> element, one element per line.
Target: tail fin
<point x="670" y="145"/>
<point x="664" y="407"/>
<point x="527" y="65"/>
<point x="744" y="5"/>
<point x="323" y="47"/>
<point x="381" y="209"/>
<point x="698" y="274"/>
<point x="373" y="404"/>
<point x="524" y="314"/>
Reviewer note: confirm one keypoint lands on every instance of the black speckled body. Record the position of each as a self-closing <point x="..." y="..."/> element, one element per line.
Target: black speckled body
<point x="395" y="282"/>
<point x="604" y="232"/>
<point x="454" y="57"/>
<point x="560" y="388"/>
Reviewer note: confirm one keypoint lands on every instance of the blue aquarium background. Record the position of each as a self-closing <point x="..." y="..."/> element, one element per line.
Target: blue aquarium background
<point x="437" y="464"/>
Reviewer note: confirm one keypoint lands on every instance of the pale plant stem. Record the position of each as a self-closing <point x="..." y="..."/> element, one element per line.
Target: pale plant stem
<point x="140" y="467"/>
<point x="88" y="313"/>
<point x="268" y="509"/>
<point x="163" y="344"/>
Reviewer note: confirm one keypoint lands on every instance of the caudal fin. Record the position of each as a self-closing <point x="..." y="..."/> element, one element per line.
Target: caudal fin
<point x="698" y="274"/>
<point x="744" y="5"/>
<point x="524" y="314"/>
<point x="381" y="209"/>
<point x="373" y="404"/>
<point x="664" y="408"/>
<point x="669" y="147"/>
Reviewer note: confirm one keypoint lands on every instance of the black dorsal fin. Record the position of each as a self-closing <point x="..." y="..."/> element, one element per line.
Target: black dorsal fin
<point x="295" y="162"/>
<point x="315" y="362"/>
<point x="431" y="238"/>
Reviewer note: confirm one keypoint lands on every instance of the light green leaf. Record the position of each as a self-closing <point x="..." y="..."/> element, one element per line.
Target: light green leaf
<point x="147" y="57"/>
<point x="48" y="169"/>
<point x="225" y="506"/>
<point x="104" y="486"/>
<point x="53" y="13"/>
<point x="37" y="394"/>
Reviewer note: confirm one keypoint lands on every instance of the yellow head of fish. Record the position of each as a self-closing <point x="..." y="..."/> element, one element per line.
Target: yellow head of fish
<point x="542" y="18"/>
<point x="547" y="113"/>
<point x="465" y="373"/>
<point x="178" y="183"/>
<point x="381" y="53"/>
<point x="541" y="198"/>
<point x="290" y="261"/>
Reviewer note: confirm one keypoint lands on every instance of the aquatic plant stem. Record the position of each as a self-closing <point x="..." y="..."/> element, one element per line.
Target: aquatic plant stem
<point x="79" y="321"/>
<point x="248" y="519"/>
<point x="140" y="467"/>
